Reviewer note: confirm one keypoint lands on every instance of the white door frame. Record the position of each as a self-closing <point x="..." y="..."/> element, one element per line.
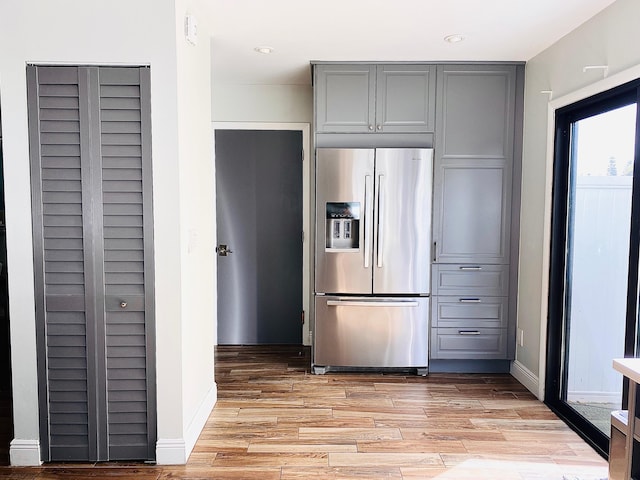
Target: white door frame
<point x="305" y="129"/>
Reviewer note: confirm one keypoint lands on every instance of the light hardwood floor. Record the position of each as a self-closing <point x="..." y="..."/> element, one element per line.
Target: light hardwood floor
<point x="275" y="420"/>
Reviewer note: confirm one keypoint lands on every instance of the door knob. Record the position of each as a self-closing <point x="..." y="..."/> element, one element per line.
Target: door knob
<point x="223" y="250"/>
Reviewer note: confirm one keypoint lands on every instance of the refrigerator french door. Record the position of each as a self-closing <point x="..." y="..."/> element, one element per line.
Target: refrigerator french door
<point x="372" y="276"/>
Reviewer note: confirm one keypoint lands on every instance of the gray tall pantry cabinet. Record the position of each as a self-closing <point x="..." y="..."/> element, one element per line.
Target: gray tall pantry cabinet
<point x="92" y="221"/>
<point x="471" y="114"/>
<point x="474" y="158"/>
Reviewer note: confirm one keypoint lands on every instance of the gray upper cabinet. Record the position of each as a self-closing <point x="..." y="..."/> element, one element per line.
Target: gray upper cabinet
<point x="474" y="157"/>
<point x="405" y="98"/>
<point x="385" y="98"/>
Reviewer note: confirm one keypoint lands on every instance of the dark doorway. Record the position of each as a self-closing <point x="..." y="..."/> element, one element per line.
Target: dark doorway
<point x="6" y="417"/>
<point x="259" y="225"/>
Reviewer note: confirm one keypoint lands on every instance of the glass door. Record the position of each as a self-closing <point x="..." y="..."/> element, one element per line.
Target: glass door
<point x="593" y="295"/>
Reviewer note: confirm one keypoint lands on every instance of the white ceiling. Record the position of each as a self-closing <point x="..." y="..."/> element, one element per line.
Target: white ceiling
<point x="380" y="30"/>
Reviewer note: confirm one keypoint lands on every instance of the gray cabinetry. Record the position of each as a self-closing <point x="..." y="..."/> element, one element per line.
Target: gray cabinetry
<point x="471" y="114"/>
<point x="474" y="140"/>
<point x="361" y="98"/>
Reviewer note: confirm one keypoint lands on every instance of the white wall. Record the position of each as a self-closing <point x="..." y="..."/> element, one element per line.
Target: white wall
<point x="610" y="38"/>
<point x="262" y="103"/>
<point x="104" y="32"/>
<point x="197" y="217"/>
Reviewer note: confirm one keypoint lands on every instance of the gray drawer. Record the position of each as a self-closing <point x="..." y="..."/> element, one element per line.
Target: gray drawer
<point x="470" y="279"/>
<point x="469" y="311"/>
<point x="469" y="343"/>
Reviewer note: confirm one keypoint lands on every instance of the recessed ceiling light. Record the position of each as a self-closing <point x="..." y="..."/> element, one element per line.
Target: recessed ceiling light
<point x="455" y="38"/>
<point x="265" y="50"/>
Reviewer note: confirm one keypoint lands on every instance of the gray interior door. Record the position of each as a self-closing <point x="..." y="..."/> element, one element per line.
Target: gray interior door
<point x="92" y="222"/>
<point x="259" y="222"/>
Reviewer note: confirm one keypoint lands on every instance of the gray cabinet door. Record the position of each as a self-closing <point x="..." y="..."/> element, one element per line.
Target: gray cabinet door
<point x="474" y="156"/>
<point x="91" y="200"/>
<point x="472" y="212"/>
<point x="345" y="98"/>
<point x="405" y="98"/>
<point x="476" y="113"/>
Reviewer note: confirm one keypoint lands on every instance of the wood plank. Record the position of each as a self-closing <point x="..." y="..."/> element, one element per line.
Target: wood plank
<point x="341" y="473"/>
<point x="226" y="473"/>
<point x="277" y="459"/>
<point x="384" y="459"/>
<point x="412" y="446"/>
<point x="348" y="434"/>
<point x="287" y="447"/>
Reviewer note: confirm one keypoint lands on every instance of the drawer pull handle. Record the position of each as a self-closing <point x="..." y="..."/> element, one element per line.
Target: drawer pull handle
<point x="123" y="304"/>
<point x="470" y="300"/>
<point x="474" y="268"/>
<point x="468" y="332"/>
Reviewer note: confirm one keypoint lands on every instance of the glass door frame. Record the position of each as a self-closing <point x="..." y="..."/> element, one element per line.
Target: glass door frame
<point x="557" y="330"/>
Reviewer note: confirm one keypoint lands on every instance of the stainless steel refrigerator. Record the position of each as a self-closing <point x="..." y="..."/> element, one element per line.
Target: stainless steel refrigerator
<point x="372" y="258"/>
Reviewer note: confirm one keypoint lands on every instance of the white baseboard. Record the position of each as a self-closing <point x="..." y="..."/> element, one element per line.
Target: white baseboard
<point x="24" y="453"/>
<point x="171" y="451"/>
<point x="176" y="451"/>
<point x="526" y="377"/>
<point x="200" y="419"/>
<point x="594" y="397"/>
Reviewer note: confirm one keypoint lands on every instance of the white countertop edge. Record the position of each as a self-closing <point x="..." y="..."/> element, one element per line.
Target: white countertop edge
<point x="629" y="367"/>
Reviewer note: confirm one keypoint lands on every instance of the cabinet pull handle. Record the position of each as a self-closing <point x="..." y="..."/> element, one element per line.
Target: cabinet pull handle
<point x="435" y="250"/>
<point x="468" y="332"/>
<point x="469" y="300"/>
<point x="370" y="127"/>
<point x="379" y="127"/>
<point x="474" y="268"/>
<point x="123" y="304"/>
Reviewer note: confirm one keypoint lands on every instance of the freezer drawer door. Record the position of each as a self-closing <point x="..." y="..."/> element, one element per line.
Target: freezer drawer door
<point x="371" y="332"/>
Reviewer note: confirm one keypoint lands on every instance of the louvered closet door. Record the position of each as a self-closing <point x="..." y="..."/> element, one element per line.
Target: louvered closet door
<point x="91" y="191"/>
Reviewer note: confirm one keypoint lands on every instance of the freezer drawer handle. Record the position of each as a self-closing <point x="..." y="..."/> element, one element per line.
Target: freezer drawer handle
<point x="366" y="303"/>
<point x="468" y="332"/>
<point x="476" y="267"/>
<point x="469" y="300"/>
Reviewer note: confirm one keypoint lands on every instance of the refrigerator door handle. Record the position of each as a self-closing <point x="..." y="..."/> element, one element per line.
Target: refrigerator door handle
<point x="380" y="203"/>
<point x="368" y="215"/>
<point x="372" y="303"/>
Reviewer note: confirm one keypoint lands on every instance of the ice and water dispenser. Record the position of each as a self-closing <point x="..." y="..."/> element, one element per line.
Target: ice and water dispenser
<point x="343" y="226"/>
